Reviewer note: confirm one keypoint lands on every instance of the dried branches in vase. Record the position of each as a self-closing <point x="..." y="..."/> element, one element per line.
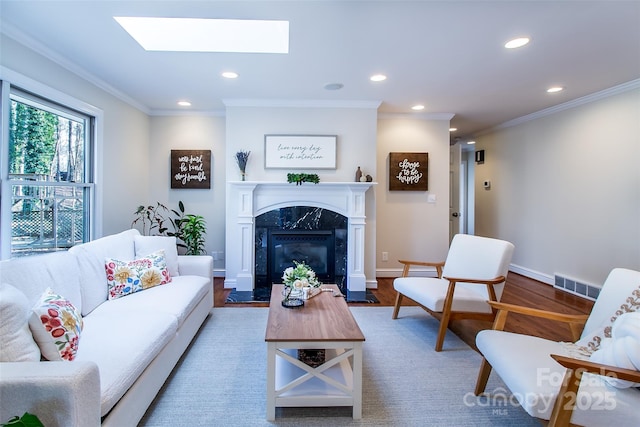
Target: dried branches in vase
<point x="241" y="158"/>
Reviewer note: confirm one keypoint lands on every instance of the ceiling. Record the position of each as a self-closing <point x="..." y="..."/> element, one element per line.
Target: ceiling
<point x="446" y="55"/>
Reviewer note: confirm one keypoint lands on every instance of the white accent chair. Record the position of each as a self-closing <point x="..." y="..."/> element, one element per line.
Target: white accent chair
<point x="546" y="377"/>
<point x="475" y="271"/>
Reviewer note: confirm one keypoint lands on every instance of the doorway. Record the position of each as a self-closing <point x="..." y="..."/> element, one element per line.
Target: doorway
<point x="461" y="190"/>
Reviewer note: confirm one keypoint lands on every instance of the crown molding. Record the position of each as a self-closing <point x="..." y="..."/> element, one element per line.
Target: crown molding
<point x="419" y="116"/>
<point x="302" y="103"/>
<point x="187" y="112"/>
<point x="615" y="90"/>
<point x="13" y="32"/>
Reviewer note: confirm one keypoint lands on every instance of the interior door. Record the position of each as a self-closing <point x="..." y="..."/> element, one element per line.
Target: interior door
<point x="455" y="211"/>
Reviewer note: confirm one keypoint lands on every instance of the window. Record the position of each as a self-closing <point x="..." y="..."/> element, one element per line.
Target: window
<point x="49" y="175"/>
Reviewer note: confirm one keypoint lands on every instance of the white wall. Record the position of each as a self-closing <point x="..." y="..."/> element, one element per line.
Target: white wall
<point x="409" y="227"/>
<point x="123" y="150"/>
<point x="190" y="133"/>
<point x="355" y="126"/>
<point x="565" y="189"/>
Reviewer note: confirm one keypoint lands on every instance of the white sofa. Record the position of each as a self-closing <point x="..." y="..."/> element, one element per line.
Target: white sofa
<point x="127" y="347"/>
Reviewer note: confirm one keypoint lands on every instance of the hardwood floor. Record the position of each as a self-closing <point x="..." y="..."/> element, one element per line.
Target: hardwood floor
<point x="519" y="290"/>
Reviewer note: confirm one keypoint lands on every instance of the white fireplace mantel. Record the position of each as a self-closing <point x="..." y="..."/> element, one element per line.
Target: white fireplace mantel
<point x="248" y="199"/>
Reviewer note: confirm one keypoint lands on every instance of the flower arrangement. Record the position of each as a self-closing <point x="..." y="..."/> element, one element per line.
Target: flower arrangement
<point x="298" y="277"/>
<point x="241" y="158"/>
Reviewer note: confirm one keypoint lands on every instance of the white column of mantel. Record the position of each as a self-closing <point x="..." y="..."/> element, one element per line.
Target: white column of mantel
<point x="356" y="278"/>
<point x="243" y="238"/>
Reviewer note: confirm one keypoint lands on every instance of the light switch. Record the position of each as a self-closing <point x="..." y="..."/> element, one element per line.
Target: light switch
<point x="431" y="198"/>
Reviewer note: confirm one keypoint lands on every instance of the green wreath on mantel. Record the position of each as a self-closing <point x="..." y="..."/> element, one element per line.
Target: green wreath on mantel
<point x="299" y="178"/>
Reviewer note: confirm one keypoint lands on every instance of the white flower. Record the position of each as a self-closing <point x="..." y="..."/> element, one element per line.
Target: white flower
<point x="300" y="276"/>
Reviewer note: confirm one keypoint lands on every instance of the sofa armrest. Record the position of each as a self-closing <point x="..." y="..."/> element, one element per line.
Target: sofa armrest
<point x="196" y="265"/>
<point x="59" y="393"/>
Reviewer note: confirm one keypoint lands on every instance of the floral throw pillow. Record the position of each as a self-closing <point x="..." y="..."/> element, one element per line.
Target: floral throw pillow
<point x="128" y="277"/>
<point x="56" y="325"/>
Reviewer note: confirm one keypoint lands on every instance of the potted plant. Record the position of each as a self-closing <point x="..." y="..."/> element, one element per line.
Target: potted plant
<point x="191" y="230"/>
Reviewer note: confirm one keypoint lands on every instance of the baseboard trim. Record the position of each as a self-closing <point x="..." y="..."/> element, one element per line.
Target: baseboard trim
<point x="532" y="274"/>
<point x="397" y="272"/>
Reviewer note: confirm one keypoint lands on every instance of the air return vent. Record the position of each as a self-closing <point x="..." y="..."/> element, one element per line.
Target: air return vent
<point x="576" y="287"/>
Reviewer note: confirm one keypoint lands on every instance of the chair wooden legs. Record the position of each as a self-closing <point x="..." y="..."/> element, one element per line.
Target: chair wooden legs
<point x="396" y="307"/>
<point x="446" y="314"/>
<point x="566" y="400"/>
<point x="483" y="377"/>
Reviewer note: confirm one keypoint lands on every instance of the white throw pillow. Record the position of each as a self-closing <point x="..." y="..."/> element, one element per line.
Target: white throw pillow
<point x="17" y="342"/>
<point x="148" y="244"/>
<point x="622" y="349"/>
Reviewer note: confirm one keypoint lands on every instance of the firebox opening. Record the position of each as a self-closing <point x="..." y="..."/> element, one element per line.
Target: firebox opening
<point x="316" y="248"/>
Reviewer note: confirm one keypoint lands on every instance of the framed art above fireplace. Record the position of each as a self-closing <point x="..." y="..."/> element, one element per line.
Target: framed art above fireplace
<point x="300" y="151"/>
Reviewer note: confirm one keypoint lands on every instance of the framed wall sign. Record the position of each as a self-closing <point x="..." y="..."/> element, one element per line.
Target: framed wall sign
<point x="190" y="168"/>
<point x="300" y="151"/>
<point x="408" y="171"/>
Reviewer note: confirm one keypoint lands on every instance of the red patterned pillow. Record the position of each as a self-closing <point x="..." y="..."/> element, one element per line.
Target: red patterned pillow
<point x="56" y="325"/>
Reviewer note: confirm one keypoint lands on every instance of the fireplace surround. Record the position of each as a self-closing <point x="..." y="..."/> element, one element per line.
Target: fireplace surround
<point x="248" y="200"/>
<point x="315" y="236"/>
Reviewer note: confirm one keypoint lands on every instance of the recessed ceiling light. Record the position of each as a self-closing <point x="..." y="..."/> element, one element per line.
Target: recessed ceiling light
<point x="333" y="86"/>
<point x="230" y="75"/>
<point x="184" y="103"/>
<point x="516" y="43"/>
<point x="453" y="129"/>
<point x="208" y="35"/>
<point x="471" y="142"/>
<point x="417" y="107"/>
<point x="555" y="89"/>
<point x="378" y="78"/>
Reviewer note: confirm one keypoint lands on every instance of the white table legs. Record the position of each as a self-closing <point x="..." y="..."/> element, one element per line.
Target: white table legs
<point x="292" y="383"/>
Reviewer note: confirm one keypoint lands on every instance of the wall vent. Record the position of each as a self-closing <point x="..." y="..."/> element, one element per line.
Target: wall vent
<point x="576" y="287"/>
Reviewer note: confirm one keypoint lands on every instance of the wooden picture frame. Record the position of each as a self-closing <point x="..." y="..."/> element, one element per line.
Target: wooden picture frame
<point x="191" y="169"/>
<point x="300" y="151"/>
<point x="408" y="171"/>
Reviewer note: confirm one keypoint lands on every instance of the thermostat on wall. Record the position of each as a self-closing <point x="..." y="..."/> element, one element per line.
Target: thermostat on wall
<point x="486" y="184"/>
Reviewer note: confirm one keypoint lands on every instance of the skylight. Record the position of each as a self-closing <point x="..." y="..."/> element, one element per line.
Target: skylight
<point x="208" y="35"/>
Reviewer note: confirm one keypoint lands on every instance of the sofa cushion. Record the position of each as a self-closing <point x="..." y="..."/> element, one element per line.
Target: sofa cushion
<point x="33" y="274"/>
<point x="128" y="277"/>
<point x="148" y="244"/>
<point x="177" y="298"/>
<point x="122" y="343"/>
<point x="17" y="342"/>
<point x="56" y="325"/>
<point x="91" y="256"/>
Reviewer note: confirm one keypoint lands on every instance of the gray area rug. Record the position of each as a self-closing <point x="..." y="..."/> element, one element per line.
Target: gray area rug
<point x="221" y="379"/>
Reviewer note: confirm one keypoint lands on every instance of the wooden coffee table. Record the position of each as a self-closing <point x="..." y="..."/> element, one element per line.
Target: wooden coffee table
<point x="325" y="322"/>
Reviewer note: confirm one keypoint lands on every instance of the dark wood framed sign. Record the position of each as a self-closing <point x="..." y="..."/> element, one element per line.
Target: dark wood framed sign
<point x="190" y="168"/>
<point x="408" y="171"/>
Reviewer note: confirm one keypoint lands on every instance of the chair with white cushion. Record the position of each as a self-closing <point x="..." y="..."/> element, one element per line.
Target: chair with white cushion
<point x="475" y="271"/>
<point x="546" y="377"/>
